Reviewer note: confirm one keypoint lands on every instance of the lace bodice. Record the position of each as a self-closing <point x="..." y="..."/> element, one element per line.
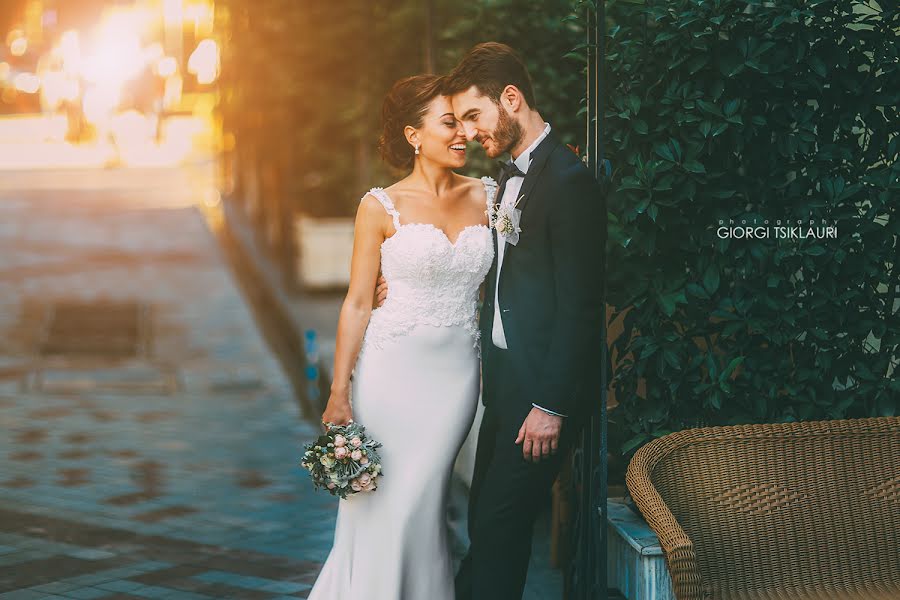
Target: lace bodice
<point x="431" y="281"/>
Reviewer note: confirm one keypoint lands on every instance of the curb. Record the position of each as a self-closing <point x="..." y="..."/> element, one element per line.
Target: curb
<point x="259" y="281"/>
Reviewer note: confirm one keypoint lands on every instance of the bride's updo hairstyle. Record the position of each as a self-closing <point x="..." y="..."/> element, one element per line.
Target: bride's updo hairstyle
<point x="406" y="104"/>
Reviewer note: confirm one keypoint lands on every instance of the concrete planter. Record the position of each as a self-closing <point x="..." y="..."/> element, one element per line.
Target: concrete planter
<point x="325" y="247"/>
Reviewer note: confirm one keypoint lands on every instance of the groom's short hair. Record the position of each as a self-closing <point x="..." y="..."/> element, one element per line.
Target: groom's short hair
<point x="490" y="67"/>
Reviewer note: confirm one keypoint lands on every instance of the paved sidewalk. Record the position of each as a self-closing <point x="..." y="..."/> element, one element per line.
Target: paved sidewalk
<point x="166" y="466"/>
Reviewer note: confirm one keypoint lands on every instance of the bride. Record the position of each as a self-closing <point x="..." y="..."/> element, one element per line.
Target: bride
<point x="415" y="359"/>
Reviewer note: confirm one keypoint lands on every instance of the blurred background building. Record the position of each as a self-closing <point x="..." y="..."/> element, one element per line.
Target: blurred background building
<point x="112" y="69"/>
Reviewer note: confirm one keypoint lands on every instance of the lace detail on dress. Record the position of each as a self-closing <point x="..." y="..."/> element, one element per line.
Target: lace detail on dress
<point x="490" y="189"/>
<point x="387" y="203"/>
<point x="431" y="280"/>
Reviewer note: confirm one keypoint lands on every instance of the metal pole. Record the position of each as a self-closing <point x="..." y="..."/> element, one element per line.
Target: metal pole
<point x="596" y="468"/>
<point x="587" y="575"/>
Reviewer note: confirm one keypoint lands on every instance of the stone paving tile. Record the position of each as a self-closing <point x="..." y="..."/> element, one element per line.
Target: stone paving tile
<point x="89" y="592"/>
<point x="120" y="585"/>
<point x="22" y="595"/>
<point x="164" y="575"/>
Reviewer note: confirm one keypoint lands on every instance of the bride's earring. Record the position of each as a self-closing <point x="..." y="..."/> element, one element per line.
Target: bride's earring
<point x="417" y="148"/>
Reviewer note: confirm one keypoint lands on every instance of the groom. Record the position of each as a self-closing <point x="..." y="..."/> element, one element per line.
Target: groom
<point x="540" y="322"/>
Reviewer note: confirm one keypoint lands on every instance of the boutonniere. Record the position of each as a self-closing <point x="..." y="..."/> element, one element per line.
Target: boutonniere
<point x="504" y="219"/>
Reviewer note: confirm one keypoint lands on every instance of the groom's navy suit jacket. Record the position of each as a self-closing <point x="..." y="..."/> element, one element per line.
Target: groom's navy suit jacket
<point x="550" y="290"/>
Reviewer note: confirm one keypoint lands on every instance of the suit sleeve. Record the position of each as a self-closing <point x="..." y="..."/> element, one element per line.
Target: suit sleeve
<point x="577" y="238"/>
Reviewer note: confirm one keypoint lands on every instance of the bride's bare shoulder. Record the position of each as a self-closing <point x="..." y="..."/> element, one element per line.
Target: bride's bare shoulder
<point x="473" y="195"/>
<point x="472" y="182"/>
<point x="400" y="185"/>
<point x="476" y="188"/>
<point x="473" y="186"/>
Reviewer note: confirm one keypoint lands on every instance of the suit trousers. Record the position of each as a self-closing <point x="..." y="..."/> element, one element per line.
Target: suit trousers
<point x="507" y="492"/>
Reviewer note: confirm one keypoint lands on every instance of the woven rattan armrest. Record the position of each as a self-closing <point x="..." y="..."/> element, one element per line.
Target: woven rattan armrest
<point x="675" y="543"/>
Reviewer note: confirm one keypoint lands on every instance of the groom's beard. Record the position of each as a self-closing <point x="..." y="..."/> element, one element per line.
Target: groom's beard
<point x="508" y="133"/>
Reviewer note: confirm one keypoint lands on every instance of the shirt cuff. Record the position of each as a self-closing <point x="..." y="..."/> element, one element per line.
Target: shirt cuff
<point x="548" y="411"/>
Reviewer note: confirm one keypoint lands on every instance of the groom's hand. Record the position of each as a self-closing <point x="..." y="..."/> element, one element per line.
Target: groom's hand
<point x="381" y="291"/>
<point x="540" y="434"/>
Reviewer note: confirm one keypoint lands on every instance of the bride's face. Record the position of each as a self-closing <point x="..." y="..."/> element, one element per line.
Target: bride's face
<point x="441" y="136"/>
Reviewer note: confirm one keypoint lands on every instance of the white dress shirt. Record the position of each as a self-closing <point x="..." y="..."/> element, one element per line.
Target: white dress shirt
<point x="510" y="195"/>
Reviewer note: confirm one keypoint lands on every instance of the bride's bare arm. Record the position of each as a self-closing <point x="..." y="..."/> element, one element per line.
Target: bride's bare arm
<point x="369" y="233"/>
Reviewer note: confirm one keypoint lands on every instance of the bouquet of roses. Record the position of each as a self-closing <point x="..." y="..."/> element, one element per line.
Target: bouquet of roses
<point x="343" y="460"/>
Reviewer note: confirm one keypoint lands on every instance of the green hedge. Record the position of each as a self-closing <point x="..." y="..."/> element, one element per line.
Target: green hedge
<point x="743" y="110"/>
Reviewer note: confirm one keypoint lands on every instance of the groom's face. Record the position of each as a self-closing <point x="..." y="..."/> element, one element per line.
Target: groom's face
<point x="486" y="122"/>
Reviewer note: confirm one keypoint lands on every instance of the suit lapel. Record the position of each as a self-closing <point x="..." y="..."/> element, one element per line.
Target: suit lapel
<point x="496" y="263"/>
<point x="539" y="160"/>
<point x="491" y="286"/>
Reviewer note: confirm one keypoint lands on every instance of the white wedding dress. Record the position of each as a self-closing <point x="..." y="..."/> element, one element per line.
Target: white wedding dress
<point x="415" y="388"/>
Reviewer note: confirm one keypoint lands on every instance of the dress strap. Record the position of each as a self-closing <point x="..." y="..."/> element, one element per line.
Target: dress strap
<point x="490" y="190"/>
<point x="388" y="205"/>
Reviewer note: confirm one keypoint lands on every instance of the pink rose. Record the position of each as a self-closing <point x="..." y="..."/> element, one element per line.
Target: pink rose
<point x="365" y="478"/>
<point x="364" y="460"/>
<point x="340" y="452"/>
<point x="339" y="441"/>
<point x="356" y="442"/>
<point x="356" y="455"/>
<point x="370" y="486"/>
<point x="355" y="485"/>
<point x="331" y="485"/>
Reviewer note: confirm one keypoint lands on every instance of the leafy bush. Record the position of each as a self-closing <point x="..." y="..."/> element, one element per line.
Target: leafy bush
<point x="740" y="110"/>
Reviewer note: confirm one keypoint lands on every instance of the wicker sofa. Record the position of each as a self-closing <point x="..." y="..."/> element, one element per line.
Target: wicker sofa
<point x="807" y="510"/>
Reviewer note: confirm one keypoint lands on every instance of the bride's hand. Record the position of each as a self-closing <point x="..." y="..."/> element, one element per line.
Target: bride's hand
<point x="337" y="411"/>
